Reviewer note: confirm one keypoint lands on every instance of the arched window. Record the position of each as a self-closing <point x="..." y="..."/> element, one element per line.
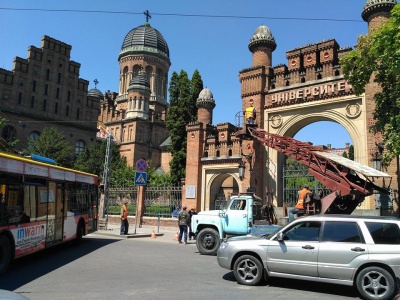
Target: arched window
<point x="9" y="133"/>
<point x="124" y="80"/>
<point x="136" y="70"/>
<point x="34" y="134"/>
<point x="79" y="147"/>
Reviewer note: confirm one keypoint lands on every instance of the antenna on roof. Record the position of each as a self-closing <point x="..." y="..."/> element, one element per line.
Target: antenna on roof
<point x="95" y="82"/>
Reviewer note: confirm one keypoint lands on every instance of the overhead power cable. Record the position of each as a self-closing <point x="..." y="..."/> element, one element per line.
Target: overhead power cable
<point x="180" y="15"/>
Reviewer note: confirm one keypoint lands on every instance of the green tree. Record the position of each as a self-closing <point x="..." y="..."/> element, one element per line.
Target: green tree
<point x="155" y="178"/>
<point x="351" y="152"/>
<point x="92" y="160"/>
<point x="344" y="154"/>
<point x="196" y="88"/>
<point x="377" y="58"/>
<point x="181" y="111"/>
<point x="52" y="144"/>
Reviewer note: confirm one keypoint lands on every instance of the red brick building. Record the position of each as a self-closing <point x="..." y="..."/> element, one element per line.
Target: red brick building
<point x="287" y="97"/>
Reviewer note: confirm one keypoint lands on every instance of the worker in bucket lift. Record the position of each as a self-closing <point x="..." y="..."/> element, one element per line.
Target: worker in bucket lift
<point x="250" y="113"/>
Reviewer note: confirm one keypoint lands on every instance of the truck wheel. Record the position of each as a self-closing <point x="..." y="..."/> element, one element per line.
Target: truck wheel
<point x="375" y="283"/>
<point x="5" y="254"/>
<point x="208" y="241"/>
<point x="248" y="270"/>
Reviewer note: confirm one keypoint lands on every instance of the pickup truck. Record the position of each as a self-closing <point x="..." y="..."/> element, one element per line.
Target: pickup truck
<point x="244" y="214"/>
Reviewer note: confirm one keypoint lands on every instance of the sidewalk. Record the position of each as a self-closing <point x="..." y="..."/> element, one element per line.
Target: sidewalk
<point x="139" y="232"/>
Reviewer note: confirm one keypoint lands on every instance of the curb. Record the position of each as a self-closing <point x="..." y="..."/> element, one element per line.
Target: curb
<point x="128" y="236"/>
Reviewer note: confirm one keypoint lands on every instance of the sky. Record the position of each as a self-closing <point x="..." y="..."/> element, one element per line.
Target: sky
<point x="211" y="36"/>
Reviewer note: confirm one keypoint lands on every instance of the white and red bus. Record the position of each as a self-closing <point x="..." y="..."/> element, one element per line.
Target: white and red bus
<point x="42" y="205"/>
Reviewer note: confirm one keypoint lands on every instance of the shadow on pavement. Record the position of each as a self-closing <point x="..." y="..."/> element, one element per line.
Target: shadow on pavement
<point x="31" y="267"/>
<point x="303" y="285"/>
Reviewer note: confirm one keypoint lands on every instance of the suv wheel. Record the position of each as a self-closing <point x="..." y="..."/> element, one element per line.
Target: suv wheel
<point x="248" y="270"/>
<point x="375" y="283"/>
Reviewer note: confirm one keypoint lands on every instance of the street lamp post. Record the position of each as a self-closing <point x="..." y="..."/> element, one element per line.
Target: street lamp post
<point x="242" y="168"/>
<point x="377" y="164"/>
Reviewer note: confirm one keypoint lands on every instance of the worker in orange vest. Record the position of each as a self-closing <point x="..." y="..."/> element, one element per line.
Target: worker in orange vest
<point x="124" y="218"/>
<point x="300" y="202"/>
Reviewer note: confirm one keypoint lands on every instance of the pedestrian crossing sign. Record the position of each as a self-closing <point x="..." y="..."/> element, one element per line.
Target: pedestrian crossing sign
<point x="140" y="178"/>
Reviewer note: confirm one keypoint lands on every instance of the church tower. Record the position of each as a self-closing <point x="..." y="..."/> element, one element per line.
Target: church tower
<point x="136" y="115"/>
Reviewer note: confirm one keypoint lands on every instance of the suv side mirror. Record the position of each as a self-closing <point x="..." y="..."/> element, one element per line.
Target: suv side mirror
<point x="279" y="236"/>
<point x="221" y="213"/>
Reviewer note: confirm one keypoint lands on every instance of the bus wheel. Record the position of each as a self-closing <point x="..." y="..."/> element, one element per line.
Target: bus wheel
<point x="5" y="254"/>
<point x="79" y="232"/>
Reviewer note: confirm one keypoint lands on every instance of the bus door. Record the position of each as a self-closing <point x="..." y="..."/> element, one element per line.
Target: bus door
<point x="55" y="212"/>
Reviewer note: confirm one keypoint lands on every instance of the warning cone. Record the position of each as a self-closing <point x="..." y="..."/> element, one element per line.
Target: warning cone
<point x="153" y="235"/>
<point x="176" y="236"/>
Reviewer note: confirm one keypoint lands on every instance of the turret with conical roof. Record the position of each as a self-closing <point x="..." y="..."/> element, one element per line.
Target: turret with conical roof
<point x="262" y="44"/>
<point x="205" y="104"/>
<point x="377" y="11"/>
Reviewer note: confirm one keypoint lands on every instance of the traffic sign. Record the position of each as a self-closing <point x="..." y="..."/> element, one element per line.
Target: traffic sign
<point x="141" y="165"/>
<point x="140" y="178"/>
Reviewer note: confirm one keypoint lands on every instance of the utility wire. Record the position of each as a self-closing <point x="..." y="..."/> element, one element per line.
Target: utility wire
<point x="180" y="15"/>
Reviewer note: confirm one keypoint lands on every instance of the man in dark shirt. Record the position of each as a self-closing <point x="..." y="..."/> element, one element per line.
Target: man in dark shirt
<point x="183" y="219"/>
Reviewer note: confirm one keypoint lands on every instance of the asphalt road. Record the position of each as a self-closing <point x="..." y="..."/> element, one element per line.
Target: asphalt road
<point x="106" y="267"/>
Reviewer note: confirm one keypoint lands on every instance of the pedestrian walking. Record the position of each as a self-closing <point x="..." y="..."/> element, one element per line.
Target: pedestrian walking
<point x="124" y="218"/>
<point x="183" y="219"/>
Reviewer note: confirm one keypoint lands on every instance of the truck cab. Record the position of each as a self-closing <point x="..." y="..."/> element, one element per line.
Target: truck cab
<point x="240" y="217"/>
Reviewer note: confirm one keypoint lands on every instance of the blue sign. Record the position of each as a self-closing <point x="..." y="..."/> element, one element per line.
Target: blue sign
<point x="141" y="165"/>
<point x="140" y="178"/>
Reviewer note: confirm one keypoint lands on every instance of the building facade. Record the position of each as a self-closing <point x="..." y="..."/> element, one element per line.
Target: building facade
<point x="45" y="90"/>
<point x="287" y="97"/>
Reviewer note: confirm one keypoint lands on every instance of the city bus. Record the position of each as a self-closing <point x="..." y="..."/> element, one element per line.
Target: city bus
<point x="42" y="205"/>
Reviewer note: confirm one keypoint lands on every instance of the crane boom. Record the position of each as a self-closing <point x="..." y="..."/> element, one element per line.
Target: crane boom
<point x="350" y="181"/>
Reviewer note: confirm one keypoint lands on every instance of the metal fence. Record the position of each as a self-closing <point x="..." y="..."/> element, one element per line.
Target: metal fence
<point x="159" y="201"/>
<point x="293" y="178"/>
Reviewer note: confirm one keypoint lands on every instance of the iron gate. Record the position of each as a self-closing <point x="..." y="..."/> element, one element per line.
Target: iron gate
<point x="293" y="178"/>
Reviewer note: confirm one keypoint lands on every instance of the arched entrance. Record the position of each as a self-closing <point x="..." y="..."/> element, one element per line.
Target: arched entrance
<point x="287" y="121"/>
<point x="218" y="185"/>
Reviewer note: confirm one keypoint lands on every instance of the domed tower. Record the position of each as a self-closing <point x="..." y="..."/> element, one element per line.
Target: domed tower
<point x="136" y="115"/>
<point x="377" y="11"/>
<point x="95" y="93"/>
<point x="262" y="44"/>
<point x="144" y="50"/>
<point x="255" y="80"/>
<point x="205" y="104"/>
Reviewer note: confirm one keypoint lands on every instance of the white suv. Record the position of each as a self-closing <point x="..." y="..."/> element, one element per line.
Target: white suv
<point x="348" y="250"/>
